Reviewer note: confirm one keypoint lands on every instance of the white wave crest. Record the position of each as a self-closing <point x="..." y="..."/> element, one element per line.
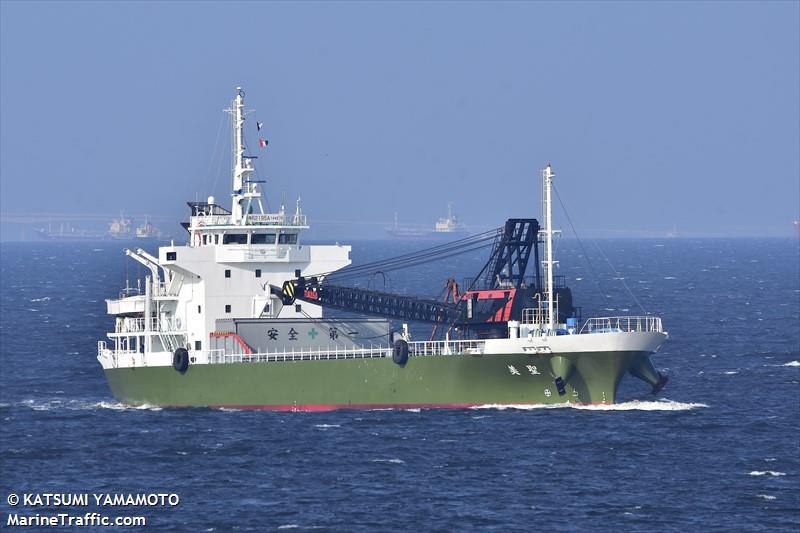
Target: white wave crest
<point x="393" y="461"/>
<point x="766" y="473"/>
<point x="79" y="405"/>
<point x="792" y="363"/>
<point x="766" y="497"/>
<point x="635" y="405"/>
<point x="327" y="426"/>
<point x="44" y="299"/>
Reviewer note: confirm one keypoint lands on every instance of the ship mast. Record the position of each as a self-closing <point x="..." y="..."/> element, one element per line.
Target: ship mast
<point x="547" y="177"/>
<point x="243" y="189"/>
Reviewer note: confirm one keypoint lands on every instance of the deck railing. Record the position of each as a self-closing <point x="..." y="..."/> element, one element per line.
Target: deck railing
<point x="302" y="354"/>
<point x="415" y="349"/>
<point x="267" y="219"/>
<point x="622" y="323"/>
<point x="136" y="325"/>
<point x="424" y="348"/>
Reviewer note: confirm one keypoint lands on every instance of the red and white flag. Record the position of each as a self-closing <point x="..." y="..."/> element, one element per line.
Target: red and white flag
<point x="263" y="143"/>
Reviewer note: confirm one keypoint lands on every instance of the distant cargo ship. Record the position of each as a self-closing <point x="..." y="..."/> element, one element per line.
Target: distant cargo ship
<point x="67" y="233"/>
<point x="446" y="228"/>
<point x="119" y="229"/>
<point x="147" y="231"/>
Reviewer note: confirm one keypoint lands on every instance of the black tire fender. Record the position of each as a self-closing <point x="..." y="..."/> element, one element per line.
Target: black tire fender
<point x="180" y="360"/>
<point x="400" y="352"/>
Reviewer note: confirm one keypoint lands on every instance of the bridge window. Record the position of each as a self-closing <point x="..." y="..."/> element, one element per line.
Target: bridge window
<point x="287" y="238"/>
<point x="228" y="308"/>
<point x="172" y="256"/>
<point x="227" y="273"/>
<point x="258" y="272"/>
<point x="234" y="238"/>
<point x="263" y="238"/>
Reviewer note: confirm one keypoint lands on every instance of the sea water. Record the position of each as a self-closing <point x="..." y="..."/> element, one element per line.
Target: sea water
<point x="718" y="449"/>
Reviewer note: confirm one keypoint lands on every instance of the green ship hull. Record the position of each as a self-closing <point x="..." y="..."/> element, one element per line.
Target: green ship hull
<point x="369" y="383"/>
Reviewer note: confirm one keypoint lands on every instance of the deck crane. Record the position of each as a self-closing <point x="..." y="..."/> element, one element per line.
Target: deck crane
<point x="498" y="294"/>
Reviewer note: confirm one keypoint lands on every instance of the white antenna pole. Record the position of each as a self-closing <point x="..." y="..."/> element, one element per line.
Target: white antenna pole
<point x="548" y="175"/>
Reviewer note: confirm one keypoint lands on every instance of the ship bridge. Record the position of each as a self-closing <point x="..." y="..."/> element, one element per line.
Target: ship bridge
<point x="212" y="224"/>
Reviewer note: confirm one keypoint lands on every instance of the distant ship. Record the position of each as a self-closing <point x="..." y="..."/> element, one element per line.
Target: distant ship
<point x="147" y="231"/>
<point x="120" y="228"/>
<point x="446" y="228"/>
<point x="67" y="233"/>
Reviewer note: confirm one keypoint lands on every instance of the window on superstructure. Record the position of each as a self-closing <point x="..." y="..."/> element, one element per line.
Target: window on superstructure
<point x="172" y="256"/>
<point x="263" y="238"/>
<point x="287" y="238"/>
<point x="228" y="308"/>
<point x="234" y="238"/>
<point x="227" y="273"/>
<point x="216" y="239"/>
<point x="198" y="345"/>
<point x="199" y="309"/>
<point x="258" y="272"/>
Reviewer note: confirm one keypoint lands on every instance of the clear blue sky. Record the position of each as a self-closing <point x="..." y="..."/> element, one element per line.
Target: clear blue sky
<point x="654" y="115"/>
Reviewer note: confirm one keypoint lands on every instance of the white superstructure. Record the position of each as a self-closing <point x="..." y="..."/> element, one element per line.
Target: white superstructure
<point x="225" y="270"/>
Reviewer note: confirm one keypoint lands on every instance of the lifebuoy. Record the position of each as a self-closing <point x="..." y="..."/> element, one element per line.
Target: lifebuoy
<point x="400" y="352"/>
<point x="180" y="360"/>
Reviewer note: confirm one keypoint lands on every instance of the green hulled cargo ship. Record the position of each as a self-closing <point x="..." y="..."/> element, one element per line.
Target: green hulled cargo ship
<point x="234" y="318"/>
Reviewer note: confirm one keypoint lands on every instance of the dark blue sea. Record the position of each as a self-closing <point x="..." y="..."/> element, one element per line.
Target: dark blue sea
<point x="717" y="450"/>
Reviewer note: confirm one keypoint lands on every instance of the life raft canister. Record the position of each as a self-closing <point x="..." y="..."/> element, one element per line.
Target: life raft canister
<point x="400" y="352"/>
<point x="180" y="360"/>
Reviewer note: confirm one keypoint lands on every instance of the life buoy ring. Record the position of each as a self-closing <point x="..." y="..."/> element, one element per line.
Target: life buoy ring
<point x="400" y="352"/>
<point x="180" y="360"/>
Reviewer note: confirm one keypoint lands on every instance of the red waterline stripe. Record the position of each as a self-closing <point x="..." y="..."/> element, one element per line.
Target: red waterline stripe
<point x="336" y="407"/>
<point x="364" y="406"/>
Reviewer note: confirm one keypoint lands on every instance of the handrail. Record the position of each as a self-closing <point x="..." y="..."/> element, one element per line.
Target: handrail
<point x="416" y="349"/>
<point x="623" y="323"/>
<point x="301" y="354"/>
<point x="136" y="325"/>
<point x="266" y="219"/>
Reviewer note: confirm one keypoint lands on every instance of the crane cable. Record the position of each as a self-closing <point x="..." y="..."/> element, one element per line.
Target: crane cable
<point x="435" y="253"/>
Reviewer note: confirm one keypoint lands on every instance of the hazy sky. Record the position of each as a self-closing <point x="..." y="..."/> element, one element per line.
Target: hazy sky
<point x="654" y="115"/>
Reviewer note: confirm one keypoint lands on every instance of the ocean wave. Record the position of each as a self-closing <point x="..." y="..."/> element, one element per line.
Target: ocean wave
<point x="792" y="363"/>
<point x="393" y="461"/>
<point x="766" y="473"/>
<point x="44" y="299"/>
<point x="635" y="405"/>
<point x="327" y="426"/>
<point x="767" y="497"/>
<point x="80" y="405"/>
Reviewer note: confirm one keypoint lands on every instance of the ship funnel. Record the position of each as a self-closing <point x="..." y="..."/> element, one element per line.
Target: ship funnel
<point x="562" y="369"/>
<point x="643" y="369"/>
